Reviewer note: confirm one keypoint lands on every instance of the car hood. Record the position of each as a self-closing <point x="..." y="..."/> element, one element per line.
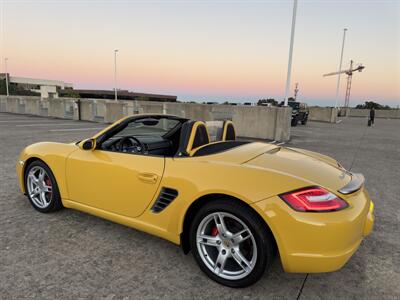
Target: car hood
<point x="311" y="167"/>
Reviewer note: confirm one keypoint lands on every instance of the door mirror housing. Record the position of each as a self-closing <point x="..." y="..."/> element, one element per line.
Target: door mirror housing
<point x="89" y="144"/>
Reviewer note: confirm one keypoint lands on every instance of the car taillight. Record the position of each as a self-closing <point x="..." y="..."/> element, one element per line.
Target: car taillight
<point x="314" y="199"/>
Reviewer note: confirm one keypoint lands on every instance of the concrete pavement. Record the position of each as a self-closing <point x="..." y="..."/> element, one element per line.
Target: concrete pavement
<point x="72" y="255"/>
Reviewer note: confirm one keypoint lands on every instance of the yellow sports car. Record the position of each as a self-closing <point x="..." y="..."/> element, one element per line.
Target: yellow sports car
<point x="233" y="203"/>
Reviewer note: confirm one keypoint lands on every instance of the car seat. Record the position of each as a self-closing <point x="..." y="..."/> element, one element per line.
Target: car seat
<point x="194" y="134"/>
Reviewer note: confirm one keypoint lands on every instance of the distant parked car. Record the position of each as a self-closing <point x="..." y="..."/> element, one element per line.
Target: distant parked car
<point x="299" y="112"/>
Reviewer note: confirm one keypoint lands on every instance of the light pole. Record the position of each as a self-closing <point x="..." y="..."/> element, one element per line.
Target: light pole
<point x="289" y="71"/>
<point x="115" y="74"/>
<point x="340" y="69"/>
<point x="5" y="67"/>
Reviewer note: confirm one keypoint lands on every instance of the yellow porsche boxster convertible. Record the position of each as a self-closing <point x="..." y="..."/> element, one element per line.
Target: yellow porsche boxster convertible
<point x="233" y="203"/>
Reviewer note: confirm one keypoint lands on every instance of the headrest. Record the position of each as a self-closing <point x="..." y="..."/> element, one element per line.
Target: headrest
<point x="193" y="135"/>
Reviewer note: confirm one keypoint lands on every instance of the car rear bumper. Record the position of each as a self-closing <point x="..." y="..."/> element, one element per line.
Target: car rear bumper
<point x="318" y="242"/>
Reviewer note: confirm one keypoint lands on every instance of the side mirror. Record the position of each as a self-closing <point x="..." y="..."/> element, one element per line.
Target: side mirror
<point x="89" y="144"/>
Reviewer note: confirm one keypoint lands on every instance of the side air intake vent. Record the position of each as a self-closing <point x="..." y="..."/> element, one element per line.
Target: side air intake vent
<point x="166" y="196"/>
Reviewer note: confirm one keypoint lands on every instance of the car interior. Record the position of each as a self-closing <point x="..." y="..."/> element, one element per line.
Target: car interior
<point x="169" y="136"/>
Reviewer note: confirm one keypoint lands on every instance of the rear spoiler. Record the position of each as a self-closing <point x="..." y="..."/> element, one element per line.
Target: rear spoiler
<point x="356" y="182"/>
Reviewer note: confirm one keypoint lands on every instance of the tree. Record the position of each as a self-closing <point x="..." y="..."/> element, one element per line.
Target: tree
<point x="70" y="93"/>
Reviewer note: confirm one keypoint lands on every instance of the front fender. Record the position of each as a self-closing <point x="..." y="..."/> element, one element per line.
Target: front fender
<point x="52" y="154"/>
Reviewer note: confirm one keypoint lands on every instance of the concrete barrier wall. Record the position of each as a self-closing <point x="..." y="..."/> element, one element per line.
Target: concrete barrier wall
<point x="87" y="112"/>
<point x="12" y="104"/>
<point x="264" y="127"/>
<point x="3" y="104"/>
<point x="100" y="109"/>
<point x="57" y="108"/>
<point x="323" y="114"/>
<point x="32" y="106"/>
<point x="69" y="107"/>
<point x="250" y="121"/>
<point x="379" y="113"/>
<point x="388" y="114"/>
<point x="113" y="111"/>
<point x="355" y="112"/>
<point x="282" y="126"/>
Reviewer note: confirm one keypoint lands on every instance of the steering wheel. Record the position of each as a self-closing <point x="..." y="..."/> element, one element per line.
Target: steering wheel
<point x="131" y="144"/>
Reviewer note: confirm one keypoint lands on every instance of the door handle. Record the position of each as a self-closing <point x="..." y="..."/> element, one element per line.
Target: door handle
<point x="148" y="177"/>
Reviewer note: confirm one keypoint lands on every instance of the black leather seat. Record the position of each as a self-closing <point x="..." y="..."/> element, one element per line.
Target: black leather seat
<point x="194" y="134"/>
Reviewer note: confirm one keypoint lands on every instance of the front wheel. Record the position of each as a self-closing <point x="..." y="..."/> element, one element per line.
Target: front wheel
<point x="230" y="243"/>
<point x="41" y="187"/>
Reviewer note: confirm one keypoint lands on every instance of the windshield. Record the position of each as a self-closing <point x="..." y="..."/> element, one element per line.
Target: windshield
<point x="148" y="127"/>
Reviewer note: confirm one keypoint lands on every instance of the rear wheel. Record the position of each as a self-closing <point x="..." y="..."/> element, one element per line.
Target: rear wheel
<point x="41" y="187"/>
<point x="230" y="243"/>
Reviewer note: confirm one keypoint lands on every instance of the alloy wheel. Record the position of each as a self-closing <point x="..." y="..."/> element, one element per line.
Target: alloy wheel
<point x="39" y="187"/>
<point x="226" y="245"/>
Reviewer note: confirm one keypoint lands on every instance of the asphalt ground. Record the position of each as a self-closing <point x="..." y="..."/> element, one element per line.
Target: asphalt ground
<point x="73" y="255"/>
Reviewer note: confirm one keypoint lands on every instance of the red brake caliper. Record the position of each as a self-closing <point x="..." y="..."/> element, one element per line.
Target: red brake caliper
<point x="214" y="231"/>
<point x="48" y="182"/>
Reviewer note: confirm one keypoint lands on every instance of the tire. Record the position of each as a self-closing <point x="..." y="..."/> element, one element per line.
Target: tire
<point x="221" y="258"/>
<point x="294" y="121"/>
<point x="304" y="122"/>
<point x="42" y="192"/>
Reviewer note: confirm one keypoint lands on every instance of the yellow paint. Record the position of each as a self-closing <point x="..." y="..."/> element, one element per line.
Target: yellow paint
<point x="122" y="187"/>
<point x="317" y="242"/>
<point x="117" y="182"/>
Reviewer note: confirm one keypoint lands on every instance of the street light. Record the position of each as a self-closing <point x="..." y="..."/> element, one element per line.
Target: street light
<point x="115" y="74"/>
<point x="5" y="66"/>
<point x="340" y="68"/>
<point x="289" y="71"/>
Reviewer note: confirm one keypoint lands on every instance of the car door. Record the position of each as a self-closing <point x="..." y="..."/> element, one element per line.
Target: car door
<point x="121" y="183"/>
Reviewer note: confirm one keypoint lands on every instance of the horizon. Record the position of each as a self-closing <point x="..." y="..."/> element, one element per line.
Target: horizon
<point x="206" y="51"/>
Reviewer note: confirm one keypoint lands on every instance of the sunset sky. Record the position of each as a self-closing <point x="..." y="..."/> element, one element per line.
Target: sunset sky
<point x="206" y="50"/>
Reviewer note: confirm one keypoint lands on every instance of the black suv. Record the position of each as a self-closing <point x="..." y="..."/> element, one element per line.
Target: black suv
<point x="299" y="112"/>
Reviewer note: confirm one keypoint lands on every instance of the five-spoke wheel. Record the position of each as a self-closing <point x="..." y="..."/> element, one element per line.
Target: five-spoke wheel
<point x="41" y="187"/>
<point x="226" y="245"/>
<point x="231" y="243"/>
